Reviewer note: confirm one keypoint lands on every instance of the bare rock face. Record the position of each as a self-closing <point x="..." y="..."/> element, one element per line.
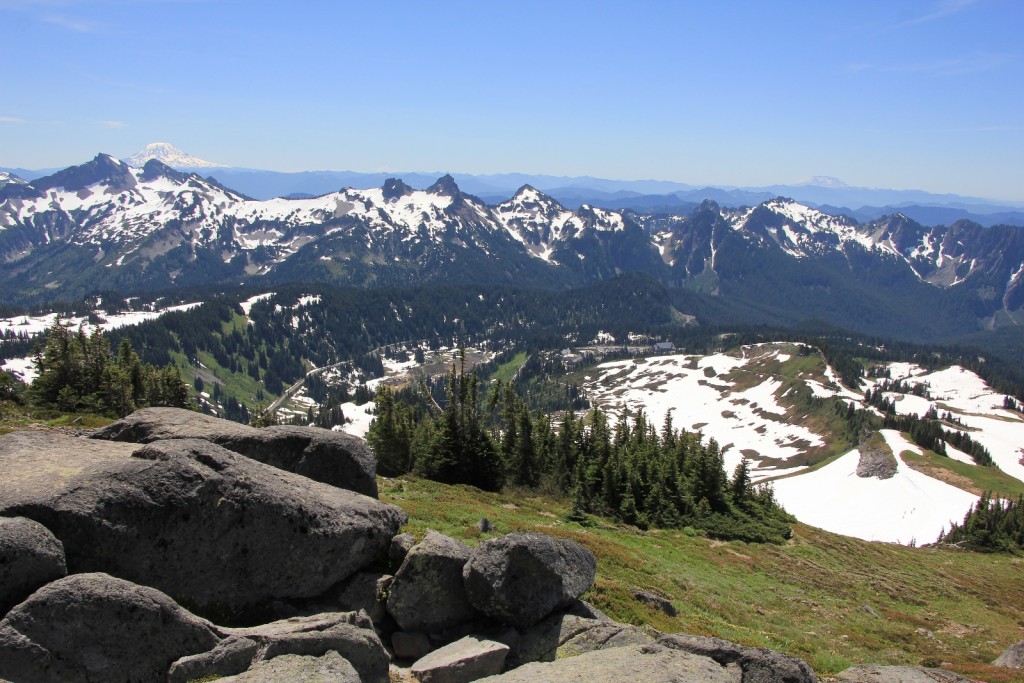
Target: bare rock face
<point x="427" y="593"/>
<point x="629" y="664"/>
<point x="759" y="665"/>
<point x="333" y="458"/>
<point x="190" y="518"/>
<point x="523" y="577"/>
<point x="30" y="557"/>
<point x="876" y="462"/>
<point x="869" y="673"/>
<point x="1012" y="658"/>
<point x="86" y="628"/>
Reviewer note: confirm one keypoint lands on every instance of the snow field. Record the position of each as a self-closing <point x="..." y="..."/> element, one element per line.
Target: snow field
<point x="909" y="507"/>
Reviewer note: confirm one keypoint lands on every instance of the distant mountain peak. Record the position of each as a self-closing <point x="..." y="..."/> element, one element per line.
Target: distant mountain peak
<point x="168" y="154"/>
<point x="824" y="181"/>
<point x="394" y="188"/>
<point x="445" y="185"/>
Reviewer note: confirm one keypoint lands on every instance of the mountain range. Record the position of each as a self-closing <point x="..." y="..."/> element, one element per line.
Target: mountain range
<point x="828" y="194"/>
<point x="105" y="225"/>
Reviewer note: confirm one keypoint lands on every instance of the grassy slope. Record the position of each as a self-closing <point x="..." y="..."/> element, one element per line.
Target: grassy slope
<point x="804" y="598"/>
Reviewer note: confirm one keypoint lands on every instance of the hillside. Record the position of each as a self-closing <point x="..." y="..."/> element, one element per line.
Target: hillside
<point x="832" y="600"/>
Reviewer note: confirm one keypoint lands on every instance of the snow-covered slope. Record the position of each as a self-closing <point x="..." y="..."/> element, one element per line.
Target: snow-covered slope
<point x="754" y="404"/>
<point x="908" y="507"/>
<point x="167" y="153"/>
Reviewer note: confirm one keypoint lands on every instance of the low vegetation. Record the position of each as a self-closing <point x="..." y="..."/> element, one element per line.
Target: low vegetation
<point x="832" y="600"/>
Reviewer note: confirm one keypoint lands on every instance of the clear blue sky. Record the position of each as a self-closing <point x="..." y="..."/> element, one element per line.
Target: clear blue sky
<point x="924" y="94"/>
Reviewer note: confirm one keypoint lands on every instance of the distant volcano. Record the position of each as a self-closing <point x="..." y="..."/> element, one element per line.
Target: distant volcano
<point x="170" y="155"/>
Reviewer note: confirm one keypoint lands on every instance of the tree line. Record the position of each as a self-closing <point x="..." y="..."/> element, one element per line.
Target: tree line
<point x="632" y="472"/>
<point x="991" y="525"/>
<point x="78" y="372"/>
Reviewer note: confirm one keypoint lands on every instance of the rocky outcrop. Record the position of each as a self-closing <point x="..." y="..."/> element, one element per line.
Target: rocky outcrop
<point x="630" y="664"/>
<point x="1012" y="658"/>
<point x="328" y="668"/>
<point x="94" y="627"/>
<point x="759" y="665"/>
<point x="326" y="456"/>
<point x="30" y="557"/>
<point x="521" y="578"/>
<point x="427" y="593"/>
<point x="876" y="461"/>
<point x="190" y="518"/>
<point x="463" y="661"/>
<point x="868" y="673"/>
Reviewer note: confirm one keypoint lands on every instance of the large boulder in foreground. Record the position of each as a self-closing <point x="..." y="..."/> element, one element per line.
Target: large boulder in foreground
<point x="94" y="627"/>
<point x="220" y="533"/>
<point x="329" y="668"/>
<point x="30" y="557"/>
<point x="759" y="665"/>
<point x="427" y="593"/>
<point x="463" y="661"/>
<point x="333" y="458"/>
<point x="523" y="577"/>
<point x="630" y="664"/>
<point x="1012" y="658"/>
<point x="349" y="634"/>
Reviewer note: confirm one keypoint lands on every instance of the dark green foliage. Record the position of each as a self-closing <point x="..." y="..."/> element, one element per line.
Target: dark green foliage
<point x="11" y="388"/>
<point x="631" y="473"/>
<point x="77" y="372"/>
<point x="992" y="524"/>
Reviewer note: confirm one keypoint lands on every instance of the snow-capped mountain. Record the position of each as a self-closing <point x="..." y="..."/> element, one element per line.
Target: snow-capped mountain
<point x="168" y="154"/>
<point x="105" y="224"/>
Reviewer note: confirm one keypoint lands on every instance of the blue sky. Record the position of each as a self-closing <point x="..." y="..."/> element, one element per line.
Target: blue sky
<point x="922" y="94"/>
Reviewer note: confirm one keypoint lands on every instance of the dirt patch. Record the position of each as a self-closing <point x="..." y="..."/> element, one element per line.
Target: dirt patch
<point x="710" y="372"/>
<point x="750" y="453"/>
<point x="942" y="474"/>
<point x="728" y="414"/>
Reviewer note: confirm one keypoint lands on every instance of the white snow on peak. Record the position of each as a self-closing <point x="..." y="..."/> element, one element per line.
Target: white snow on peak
<point x="9" y="179"/>
<point x="810" y="225"/>
<point x="824" y="181"/>
<point x="167" y="153"/>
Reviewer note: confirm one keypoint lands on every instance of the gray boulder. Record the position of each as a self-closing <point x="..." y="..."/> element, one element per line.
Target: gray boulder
<point x="465" y="660"/>
<point x="349" y="634"/>
<point x="869" y="673"/>
<point x="189" y="517"/>
<point x="630" y="664"/>
<point x="759" y="665"/>
<point x="1012" y="658"/>
<point x="523" y="577"/>
<point x="427" y="593"/>
<point x="232" y="655"/>
<point x="94" y="627"/>
<point x="656" y="602"/>
<point x="568" y="635"/>
<point x="30" y="557"/>
<point x="328" y="668"/>
<point x="323" y="455"/>
<point x="400" y="547"/>
<point x="410" y="644"/>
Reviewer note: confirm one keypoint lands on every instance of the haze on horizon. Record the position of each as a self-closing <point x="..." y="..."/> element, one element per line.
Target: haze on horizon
<point x="923" y="95"/>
